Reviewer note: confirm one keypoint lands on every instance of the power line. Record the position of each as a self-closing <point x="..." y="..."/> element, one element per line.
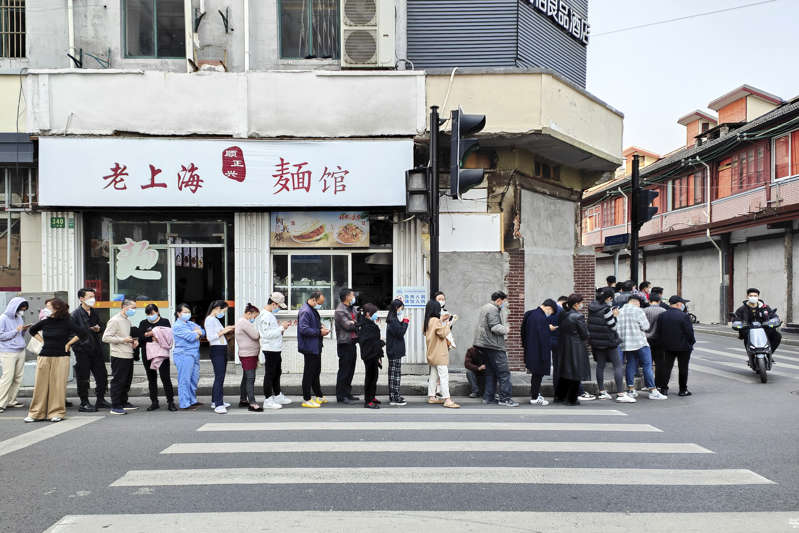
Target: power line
<point x="697" y="15"/>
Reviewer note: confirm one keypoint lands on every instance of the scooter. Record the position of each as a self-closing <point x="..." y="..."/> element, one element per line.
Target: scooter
<point x="758" y="347"/>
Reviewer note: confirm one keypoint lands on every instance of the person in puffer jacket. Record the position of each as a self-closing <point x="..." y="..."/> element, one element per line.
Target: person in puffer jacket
<point x="605" y="342"/>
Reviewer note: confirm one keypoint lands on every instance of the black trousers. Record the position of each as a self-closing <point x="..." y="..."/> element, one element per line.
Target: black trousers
<point x="121" y="378"/>
<point x="659" y="361"/>
<point x="310" y="376"/>
<point x="370" y="380"/>
<point x="152" y="379"/>
<point x="683" y="359"/>
<point x="566" y="390"/>
<point x="272" y="373"/>
<point x="90" y="362"/>
<point x="346" y="369"/>
<point x="535" y="385"/>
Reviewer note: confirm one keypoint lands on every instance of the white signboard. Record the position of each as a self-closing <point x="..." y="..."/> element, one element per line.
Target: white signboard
<point x="136" y="172"/>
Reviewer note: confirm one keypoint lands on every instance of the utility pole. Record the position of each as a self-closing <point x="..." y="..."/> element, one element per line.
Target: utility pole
<point x="634" y="222"/>
<point x="434" y="189"/>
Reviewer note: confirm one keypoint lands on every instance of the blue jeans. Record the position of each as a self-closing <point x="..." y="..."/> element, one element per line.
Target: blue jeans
<point x="645" y="356"/>
<point x="497" y="369"/>
<point x="219" y="361"/>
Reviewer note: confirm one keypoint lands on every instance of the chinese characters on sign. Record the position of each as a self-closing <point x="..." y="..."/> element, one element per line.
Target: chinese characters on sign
<point x="412" y="297"/>
<point x="301" y="178"/>
<point x="233" y="165"/>
<point x="564" y="16"/>
<point x="136" y="258"/>
<point x="117" y="177"/>
<point x="189" y="179"/>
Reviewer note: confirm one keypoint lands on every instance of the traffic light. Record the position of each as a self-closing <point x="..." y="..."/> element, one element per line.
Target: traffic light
<point x="645" y="208"/>
<point x="460" y="179"/>
<point x="417" y="191"/>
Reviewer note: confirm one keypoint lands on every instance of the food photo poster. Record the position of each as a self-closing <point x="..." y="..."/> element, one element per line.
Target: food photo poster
<point x="320" y="229"/>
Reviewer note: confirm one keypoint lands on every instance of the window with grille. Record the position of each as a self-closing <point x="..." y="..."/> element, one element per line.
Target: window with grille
<point x="12" y="28"/>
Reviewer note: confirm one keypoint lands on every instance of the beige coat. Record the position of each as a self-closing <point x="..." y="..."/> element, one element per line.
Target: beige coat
<point x="116" y="331"/>
<point x="436" y="337"/>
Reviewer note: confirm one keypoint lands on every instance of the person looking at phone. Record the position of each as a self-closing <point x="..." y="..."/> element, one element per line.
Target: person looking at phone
<point x="12" y="351"/>
<point x="89" y="357"/>
<point x="271" y="340"/>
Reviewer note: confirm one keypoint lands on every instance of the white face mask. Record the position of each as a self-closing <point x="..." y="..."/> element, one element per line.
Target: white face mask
<point x="21" y="314"/>
<point x="90" y="302"/>
<point x="46" y="312"/>
<point x="754" y="300"/>
<point x="442" y="303"/>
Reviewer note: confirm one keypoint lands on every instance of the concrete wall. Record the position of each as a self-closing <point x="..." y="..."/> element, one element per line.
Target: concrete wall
<point x="661" y="271"/>
<point x="468" y="279"/>
<point x="761" y="264"/>
<point x="795" y="316"/>
<point x="548" y="237"/>
<point x="257" y="104"/>
<point x="9" y="99"/>
<point x="700" y="284"/>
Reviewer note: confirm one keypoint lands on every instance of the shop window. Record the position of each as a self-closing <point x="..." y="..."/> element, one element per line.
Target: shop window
<point x="299" y="275"/>
<point x="309" y="29"/>
<point x="154" y="28"/>
<point x="381" y="233"/>
<point x="372" y="278"/>
<point x="781" y="162"/>
<point x="12" y="28"/>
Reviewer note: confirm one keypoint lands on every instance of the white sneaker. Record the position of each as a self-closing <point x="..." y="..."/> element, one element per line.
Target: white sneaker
<point x="625" y="398"/>
<point x="539" y="401"/>
<point x="603" y="395"/>
<point x="632" y="393"/>
<point x="220" y="410"/>
<point x="655" y="394"/>
<point x="270" y="403"/>
<point x="213" y="405"/>
<point x="281" y="399"/>
<point x="586" y="397"/>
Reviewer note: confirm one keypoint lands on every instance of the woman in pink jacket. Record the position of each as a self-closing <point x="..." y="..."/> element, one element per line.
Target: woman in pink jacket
<point x="249" y="348"/>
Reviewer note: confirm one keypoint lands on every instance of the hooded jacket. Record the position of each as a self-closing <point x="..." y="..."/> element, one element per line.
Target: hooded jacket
<point x="602" y="326"/>
<point x="12" y="340"/>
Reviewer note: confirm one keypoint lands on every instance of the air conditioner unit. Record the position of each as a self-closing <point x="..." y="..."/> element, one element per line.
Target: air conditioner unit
<point x="367" y="33"/>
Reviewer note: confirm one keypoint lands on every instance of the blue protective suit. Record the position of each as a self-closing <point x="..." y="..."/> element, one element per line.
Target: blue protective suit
<point x="187" y="359"/>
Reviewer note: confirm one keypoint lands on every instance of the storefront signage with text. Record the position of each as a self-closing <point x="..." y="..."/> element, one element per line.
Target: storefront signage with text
<point x="564" y="15"/>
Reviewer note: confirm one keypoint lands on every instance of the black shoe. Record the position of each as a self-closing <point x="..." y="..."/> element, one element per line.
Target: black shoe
<point x="347" y="401"/>
<point x="127" y="406"/>
<point x="154" y="406"/>
<point x="171" y="406"/>
<point x="243" y="403"/>
<point x="258" y="409"/>
<point x="355" y="399"/>
<point x="86" y="407"/>
<point x="102" y="404"/>
<point x="575" y="402"/>
<point x="684" y="393"/>
<point x="68" y="403"/>
<point x="557" y="400"/>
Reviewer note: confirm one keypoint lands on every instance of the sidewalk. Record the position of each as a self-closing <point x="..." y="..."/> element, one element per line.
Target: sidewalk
<point x="412" y="385"/>
<point x="788" y="339"/>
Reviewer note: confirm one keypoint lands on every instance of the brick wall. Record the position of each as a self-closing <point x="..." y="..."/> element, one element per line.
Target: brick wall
<point x="514" y="282"/>
<point x="733" y="112"/>
<point x="584" y="273"/>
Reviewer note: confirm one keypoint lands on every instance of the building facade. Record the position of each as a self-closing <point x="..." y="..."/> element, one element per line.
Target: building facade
<point x="727" y="208"/>
<point x="189" y="150"/>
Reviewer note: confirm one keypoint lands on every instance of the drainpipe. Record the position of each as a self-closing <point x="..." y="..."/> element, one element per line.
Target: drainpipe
<point x="246" y="35"/>
<point x="188" y="22"/>
<point x="722" y="288"/>
<point x="71" y="32"/>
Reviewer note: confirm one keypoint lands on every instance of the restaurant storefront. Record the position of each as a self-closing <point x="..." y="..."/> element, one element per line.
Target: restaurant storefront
<point x="177" y="220"/>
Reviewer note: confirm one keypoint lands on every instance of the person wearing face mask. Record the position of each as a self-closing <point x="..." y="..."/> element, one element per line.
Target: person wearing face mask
<point x="371" y="353"/>
<point x="310" y="335"/>
<point x="676" y="335"/>
<point x="573" y="366"/>
<point x="346" y="341"/>
<point x="89" y="353"/>
<point x="755" y="310"/>
<point x="186" y="355"/>
<point x="271" y="339"/>
<point x="492" y="329"/>
<point x="12" y="351"/>
<point x="154" y="320"/>
<point x="535" y="341"/>
<point x="215" y="334"/>
<point x="247" y="340"/>
<point x="117" y="336"/>
<point x="605" y="342"/>
<point x="396" y="328"/>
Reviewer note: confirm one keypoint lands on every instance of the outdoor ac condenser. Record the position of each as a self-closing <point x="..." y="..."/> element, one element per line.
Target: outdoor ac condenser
<point x="367" y="33"/>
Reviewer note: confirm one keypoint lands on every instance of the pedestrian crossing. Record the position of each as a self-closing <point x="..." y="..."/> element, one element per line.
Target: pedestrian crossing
<point x="392" y="451"/>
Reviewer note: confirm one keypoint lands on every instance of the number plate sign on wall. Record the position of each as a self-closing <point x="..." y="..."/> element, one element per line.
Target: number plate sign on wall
<point x="58" y="222"/>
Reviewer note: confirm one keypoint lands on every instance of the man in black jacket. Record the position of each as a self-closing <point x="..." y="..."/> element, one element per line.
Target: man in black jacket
<point x="89" y="353"/>
<point x="676" y="336"/>
<point x="605" y="342"/>
<point x="755" y="310"/>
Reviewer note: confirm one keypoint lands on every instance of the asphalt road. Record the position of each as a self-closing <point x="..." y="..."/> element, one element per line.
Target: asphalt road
<point x="725" y="458"/>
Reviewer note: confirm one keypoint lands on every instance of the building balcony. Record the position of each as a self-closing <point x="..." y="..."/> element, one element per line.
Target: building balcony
<point x="304" y="104"/>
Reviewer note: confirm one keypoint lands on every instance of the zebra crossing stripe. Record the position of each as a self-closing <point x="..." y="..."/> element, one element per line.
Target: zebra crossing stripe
<point x="437" y="446"/>
<point x="436" y="475"/>
<point x="719" y="373"/>
<point x="464" y="411"/>
<point x="742" y="357"/>
<point x="739" y="366"/>
<point x="312" y="425"/>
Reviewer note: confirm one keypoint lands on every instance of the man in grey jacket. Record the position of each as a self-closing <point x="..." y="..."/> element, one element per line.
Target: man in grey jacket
<point x="346" y="340"/>
<point x="490" y="338"/>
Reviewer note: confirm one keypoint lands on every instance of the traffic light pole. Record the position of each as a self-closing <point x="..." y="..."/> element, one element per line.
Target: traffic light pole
<point x="434" y="190"/>
<point x="634" y="225"/>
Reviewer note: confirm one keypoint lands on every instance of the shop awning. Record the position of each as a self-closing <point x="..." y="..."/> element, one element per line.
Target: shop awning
<point x="16" y="148"/>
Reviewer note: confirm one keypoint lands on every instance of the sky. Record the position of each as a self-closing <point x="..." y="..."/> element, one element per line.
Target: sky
<point x="658" y="74"/>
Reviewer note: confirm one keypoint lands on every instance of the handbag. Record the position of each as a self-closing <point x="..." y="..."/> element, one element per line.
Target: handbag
<point x="34" y="346"/>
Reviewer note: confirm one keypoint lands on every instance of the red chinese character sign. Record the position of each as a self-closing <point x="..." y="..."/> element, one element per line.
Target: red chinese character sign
<point x="154" y="172"/>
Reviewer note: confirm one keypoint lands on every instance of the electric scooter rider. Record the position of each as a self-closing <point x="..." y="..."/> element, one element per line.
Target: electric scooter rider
<point x="755" y="310"/>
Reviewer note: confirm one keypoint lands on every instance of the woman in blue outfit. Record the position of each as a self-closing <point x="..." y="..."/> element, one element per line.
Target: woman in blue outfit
<point x="186" y="355"/>
<point x="215" y="333"/>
